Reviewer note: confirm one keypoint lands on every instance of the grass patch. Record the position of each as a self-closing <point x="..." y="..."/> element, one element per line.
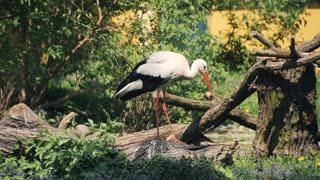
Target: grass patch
<point x="276" y="167"/>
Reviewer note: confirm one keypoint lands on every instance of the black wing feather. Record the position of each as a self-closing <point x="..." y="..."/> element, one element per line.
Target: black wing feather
<point x="150" y="83"/>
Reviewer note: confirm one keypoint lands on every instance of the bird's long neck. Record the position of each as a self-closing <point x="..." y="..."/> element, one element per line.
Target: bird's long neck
<point x="192" y="72"/>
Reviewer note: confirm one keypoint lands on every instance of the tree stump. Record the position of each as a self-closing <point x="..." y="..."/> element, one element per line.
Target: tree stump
<point x="287" y="122"/>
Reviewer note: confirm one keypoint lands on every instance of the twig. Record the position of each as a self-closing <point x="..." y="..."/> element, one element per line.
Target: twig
<point x="5" y="103"/>
<point x="85" y="14"/>
<point x="86" y="38"/>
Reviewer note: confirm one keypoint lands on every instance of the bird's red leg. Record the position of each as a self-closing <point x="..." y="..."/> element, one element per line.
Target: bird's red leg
<point x="156" y="107"/>
<point x="172" y="137"/>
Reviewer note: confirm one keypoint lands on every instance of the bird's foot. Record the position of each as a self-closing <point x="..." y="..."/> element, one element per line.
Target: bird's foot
<point x="158" y="137"/>
<point x="174" y="139"/>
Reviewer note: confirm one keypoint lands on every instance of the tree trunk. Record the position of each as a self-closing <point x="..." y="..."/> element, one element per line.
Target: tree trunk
<point x="287" y="122"/>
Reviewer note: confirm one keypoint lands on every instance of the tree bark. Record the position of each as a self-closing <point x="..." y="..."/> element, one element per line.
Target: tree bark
<point x="143" y="145"/>
<point x="20" y="122"/>
<point x="287" y="122"/>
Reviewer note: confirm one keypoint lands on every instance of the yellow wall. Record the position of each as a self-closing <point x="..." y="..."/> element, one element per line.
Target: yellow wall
<point x="217" y="24"/>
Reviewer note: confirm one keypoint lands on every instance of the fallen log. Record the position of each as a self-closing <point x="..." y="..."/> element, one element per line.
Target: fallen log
<point x="143" y="145"/>
<point x="22" y="123"/>
<point x="151" y="148"/>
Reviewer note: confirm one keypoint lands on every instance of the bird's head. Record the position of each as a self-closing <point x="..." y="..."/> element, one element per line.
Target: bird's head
<point x="202" y="66"/>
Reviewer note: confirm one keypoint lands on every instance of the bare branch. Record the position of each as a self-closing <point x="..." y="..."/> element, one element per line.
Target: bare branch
<point x="293" y="51"/>
<point x="311" y="45"/>
<point x="271" y="53"/>
<point x="305" y="47"/>
<point x="86" y="38"/>
<point x="263" y="40"/>
<point x="4" y="101"/>
<point x="269" y="65"/>
<point x="80" y="43"/>
<point x="99" y="13"/>
<point x="236" y="115"/>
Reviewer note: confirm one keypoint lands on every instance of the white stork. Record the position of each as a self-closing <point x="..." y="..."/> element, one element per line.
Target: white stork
<point x="155" y="74"/>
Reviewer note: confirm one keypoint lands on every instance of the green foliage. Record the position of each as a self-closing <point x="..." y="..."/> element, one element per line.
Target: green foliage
<point x="69" y="156"/>
<point x="155" y="168"/>
<point x="277" y="20"/>
<point x="66" y="154"/>
<point x="10" y="168"/>
<point x="280" y="167"/>
<point x="105" y="163"/>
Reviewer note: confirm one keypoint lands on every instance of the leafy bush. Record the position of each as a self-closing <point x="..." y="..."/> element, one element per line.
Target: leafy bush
<point x="280" y="167"/>
<point x="10" y="168"/>
<point x="64" y="155"/>
<point x="155" y="168"/>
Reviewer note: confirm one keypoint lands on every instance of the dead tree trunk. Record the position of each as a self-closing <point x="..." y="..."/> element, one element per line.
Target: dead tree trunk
<point x="285" y="82"/>
<point x="287" y="122"/>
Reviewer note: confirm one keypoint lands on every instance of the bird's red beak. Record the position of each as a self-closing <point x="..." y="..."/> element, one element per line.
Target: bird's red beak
<point x="206" y="78"/>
